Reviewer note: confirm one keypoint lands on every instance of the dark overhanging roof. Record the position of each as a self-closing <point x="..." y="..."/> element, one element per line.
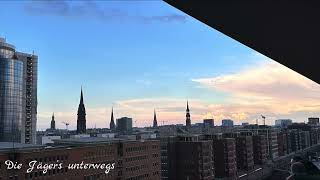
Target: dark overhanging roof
<point x="288" y="33"/>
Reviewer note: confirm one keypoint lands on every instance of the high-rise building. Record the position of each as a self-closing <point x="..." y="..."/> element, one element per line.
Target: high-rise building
<point x="112" y="125"/>
<point x="227" y="123"/>
<point x="155" y="122"/>
<point x="186" y="157"/>
<point x="225" y="164"/>
<point x="305" y="139"/>
<point x="314" y="135"/>
<point x="188" y="118"/>
<point x="283" y="123"/>
<point x="53" y="123"/>
<point x="194" y="159"/>
<point x="81" y="120"/>
<point x="124" y="124"/>
<point x="18" y="94"/>
<point x="270" y="133"/>
<point x="313" y="120"/>
<point x="244" y="149"/>
<point x="259" y="149"/>
<point x="208" y="123"/>
<point x="282" y="138"/>
<point x="295" y="143"/>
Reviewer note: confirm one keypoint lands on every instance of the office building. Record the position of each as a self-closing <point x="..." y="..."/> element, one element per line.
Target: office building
<point x="313" y="121"/>
<point x="208" y="123"/>
<point x="225" y="164"/>
<point x="272" y="142"/>
<point x="245" y="124"/>
<point x="168" y="161"/>
<point x="18" y="95"/>
<point x="314" y="135"/>
<point x="295" y="143"/>
<point x="195" y="159"/>
<point x="124" y="124"/>
<point x="244" y="153"/>
<point x="283" y="123"/>
<point x="133" y="159"/>
<point x="187" y="157"/>
<point x="282" y="138"/>
<point x="304" y="137"/>
<point x="227" y="123"/>
<point x="259" y="149"/>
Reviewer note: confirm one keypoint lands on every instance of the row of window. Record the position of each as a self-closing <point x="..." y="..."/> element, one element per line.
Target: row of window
<point x="49" y="173"/>
<point x="143" y="176"/>
<point x="97" y="176"/>
<point x="136" y="158"/>
<point x="136" y="148"/>
<point x="49" y="159"/>
<point x="136" y="168"/>
<point x="99" y="153"/>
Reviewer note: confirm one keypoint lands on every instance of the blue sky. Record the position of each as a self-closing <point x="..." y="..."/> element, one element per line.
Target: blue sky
<point x="122" y="52"/>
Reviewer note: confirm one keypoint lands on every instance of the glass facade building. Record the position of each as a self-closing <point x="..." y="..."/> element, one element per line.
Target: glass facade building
<point x="18" y="95"/>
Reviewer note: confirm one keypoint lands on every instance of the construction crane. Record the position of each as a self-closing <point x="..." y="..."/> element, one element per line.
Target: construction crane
<point x="264" y="120"/>
<point x="67" y="124"/>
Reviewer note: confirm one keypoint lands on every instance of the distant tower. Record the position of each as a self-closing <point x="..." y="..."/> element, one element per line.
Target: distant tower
<point x="112" y="125"/>
<point x="188" y="119"/>
<point x="53" y="123"/>
<point x="155" y="122"/>
<point x="81" y="121"/>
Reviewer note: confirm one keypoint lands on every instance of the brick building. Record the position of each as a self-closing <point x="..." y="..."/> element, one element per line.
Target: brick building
<point x="225" y="158"/>
<point x="133" y="159"/>
<point x="282" y="138"/>
<point x="259" y="149"/>
<point x="244" y="149"/>
<point x="187" y="157"/>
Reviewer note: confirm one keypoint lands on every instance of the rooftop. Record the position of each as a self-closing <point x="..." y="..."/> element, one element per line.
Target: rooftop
<point x="91" y="140"/>
<point x="4" y="146"/>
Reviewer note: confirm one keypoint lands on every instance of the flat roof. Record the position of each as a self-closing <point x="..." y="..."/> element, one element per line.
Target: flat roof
<point x="4" y="146"/>
<point x="95" y="140"/>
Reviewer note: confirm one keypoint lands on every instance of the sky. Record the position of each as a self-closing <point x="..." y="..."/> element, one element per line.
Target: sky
<point x="142" y="55"/>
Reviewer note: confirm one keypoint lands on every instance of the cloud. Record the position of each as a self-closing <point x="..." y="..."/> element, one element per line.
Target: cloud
<point x="90" y="9"/>
<point x="268" y="86"/>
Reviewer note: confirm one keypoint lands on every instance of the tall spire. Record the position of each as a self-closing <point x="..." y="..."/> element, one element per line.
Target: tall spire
<point x="81" y="120"/>
<point x="81" y="96"/>
<point x="188" y="106"/>
<point x="53" y="123"/>
<point x="112" y="124"/>
<point x="188" y="119"/>
<point x="155" y="122"/>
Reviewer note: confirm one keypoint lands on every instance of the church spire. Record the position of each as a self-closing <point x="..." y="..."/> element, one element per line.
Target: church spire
<point x="188" y="106"/>
<point x="155" y="122"/>
<point x="188" y="119"/>
<point x="53" y="123"/>
<point x="81" y="120"/>
<point x="112" y="124"/>
<point x="81" y="96"/>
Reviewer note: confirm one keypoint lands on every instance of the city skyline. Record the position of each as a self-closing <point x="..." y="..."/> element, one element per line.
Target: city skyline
<point x="147" y="62"/>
